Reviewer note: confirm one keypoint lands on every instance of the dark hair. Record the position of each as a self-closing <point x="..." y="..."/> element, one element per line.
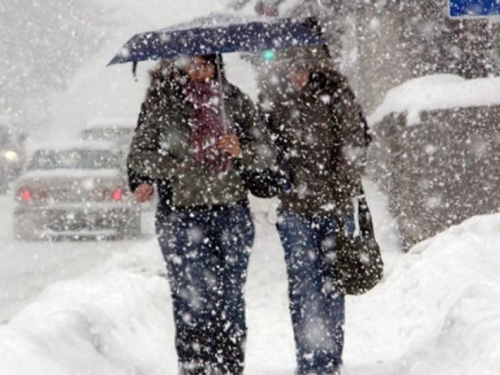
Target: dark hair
<point x="314" y="24"/>
<point x="168" y="77"/>
<point x="212" y="58"/>
<point x="216" y="60"/>
<point x="164" y="77"/>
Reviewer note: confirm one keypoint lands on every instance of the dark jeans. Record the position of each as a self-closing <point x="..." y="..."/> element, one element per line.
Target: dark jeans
<point x="317" y="308"/>
<point x="206" y="253"/>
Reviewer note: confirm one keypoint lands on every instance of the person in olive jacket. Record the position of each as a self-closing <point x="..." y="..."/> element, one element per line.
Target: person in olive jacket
<point x="321" y="135"/>
<point x="195" y="126"/>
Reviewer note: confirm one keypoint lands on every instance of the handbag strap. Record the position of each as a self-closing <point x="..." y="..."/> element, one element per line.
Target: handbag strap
<point x="357" y="224"/>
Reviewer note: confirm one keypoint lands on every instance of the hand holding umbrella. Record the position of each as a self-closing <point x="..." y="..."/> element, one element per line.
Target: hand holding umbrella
<point x="230" y="144"/>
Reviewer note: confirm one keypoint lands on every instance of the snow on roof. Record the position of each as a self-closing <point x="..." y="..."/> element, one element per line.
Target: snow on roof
<point x="439" y="91"/>
<point x="108" y="122"/>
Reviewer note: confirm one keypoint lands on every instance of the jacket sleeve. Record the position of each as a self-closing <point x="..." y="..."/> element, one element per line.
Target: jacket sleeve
<point x="147" y="157"/>
<point x="352" y="131"/>
<point x="257" y="147"/>
<point x="134" y="178"/>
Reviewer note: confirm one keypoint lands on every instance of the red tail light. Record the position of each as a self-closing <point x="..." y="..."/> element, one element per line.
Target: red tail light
<point x="29" y="195"/>
<point x="25" y="195"/>
<point x="117" y="195"/>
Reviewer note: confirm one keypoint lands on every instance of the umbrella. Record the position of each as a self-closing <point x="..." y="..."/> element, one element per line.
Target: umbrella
<point x="218" y="34"/>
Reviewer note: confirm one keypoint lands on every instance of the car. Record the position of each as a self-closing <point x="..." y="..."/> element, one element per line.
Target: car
<point x="75" y="191"/>
<point x="12" y="153"/>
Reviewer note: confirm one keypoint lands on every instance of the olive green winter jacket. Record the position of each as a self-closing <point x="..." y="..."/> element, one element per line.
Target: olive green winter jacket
<point x="161" y="149"/>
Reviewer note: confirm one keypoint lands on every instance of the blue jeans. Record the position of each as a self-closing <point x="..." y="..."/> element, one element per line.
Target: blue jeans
<point x="317" y="308"/>
<point x="206" y="254"/>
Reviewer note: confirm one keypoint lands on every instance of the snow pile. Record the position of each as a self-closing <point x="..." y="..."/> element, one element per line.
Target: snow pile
<point x="454" y="284"/>
<point x="439" y="91"/>
<point x="437" y="311"/>
<point x="115" y="320"/>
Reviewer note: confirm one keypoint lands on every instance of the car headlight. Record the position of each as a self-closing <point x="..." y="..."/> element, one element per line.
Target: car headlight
<point x="11" y="155"/>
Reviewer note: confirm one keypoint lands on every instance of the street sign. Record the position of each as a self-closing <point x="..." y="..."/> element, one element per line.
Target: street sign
<point x="474" y="8"/>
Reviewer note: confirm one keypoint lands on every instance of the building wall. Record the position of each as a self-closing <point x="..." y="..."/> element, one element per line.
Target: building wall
<point x="380" y="44"/>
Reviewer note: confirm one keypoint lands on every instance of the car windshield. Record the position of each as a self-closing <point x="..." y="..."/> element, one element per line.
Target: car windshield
<point x="112" y="134"/>
<point x="73" y="159"/>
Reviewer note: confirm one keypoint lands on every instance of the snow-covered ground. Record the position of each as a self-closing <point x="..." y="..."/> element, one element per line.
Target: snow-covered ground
<point x="26" y="268"/>
<point x="436" y="312"/>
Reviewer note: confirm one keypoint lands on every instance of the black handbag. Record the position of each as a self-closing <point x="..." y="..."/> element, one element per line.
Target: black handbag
<point x="359" y="266"/>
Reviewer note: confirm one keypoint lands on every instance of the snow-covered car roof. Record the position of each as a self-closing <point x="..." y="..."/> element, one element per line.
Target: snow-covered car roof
<point x="75" y="145"/>
<point x="111" y="122"/>
<point x="106" y="153"/>
<point x="438" y="91"/>
<point x="109" y="129"/>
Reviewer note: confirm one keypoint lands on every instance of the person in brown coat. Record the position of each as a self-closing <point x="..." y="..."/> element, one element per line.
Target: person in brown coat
<point x="322" y="137"/>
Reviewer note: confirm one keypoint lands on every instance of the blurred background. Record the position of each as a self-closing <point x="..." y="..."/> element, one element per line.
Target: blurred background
<point x="53" y="69"/>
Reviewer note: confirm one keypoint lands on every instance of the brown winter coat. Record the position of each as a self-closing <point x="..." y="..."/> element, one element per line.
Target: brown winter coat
<point x="322" y="135"/>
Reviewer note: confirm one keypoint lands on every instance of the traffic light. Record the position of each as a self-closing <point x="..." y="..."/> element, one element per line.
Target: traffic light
<point x="268" y="55"/>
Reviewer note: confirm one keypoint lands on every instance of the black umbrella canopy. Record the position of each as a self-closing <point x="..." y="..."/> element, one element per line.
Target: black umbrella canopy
<point x="218" y="34"/>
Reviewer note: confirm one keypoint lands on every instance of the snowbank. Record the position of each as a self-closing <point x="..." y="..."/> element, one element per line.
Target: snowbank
<point x="437" y="311"/>
<point x="112" y="321"/>
<point x="439" y="91"/>
<point x="457" y="293"/>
